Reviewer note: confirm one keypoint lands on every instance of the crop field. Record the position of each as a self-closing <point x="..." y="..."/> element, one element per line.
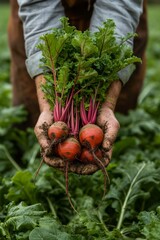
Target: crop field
<point x="38" y="209"/>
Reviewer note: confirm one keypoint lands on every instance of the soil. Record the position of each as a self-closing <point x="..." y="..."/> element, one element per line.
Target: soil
<point x="77" y="167"/>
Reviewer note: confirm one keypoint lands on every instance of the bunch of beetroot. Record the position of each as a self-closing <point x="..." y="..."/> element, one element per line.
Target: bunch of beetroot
<point x="78" y="68"/>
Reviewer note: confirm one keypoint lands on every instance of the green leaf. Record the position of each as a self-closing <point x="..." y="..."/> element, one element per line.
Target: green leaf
<point x="41" y="234"/>
<point x="84" y="44"/>
<point x="105" y="38"/>
<point x="22" y="188"/>
<point x="126" y="190"/>
<point x="82" y="60"/>
<point x="149" y="224"/>
<point x="49" y="223"/>
<point x="10" y="116"/>
<point x="44" y="234"/>
<point x="122" y="145"/>
<point x="3" y="232"/>
<point x="53" y="44"/>
<point x="22" y="217"/>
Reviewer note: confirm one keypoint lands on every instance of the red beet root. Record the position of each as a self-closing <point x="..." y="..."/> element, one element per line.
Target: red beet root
<point x="87" y="156"/>
<point x="91" y="136"/>
<point x="69" y="149"/>
<point x="58" y="131"/>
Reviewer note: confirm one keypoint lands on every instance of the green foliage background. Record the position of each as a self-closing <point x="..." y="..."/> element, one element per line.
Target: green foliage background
<point x="39" y="209"/>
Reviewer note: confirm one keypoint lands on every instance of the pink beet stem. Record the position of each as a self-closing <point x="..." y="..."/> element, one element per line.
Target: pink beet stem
<point x="69" y="121"/>
<point x="77" y="122"/>
<point x="55" y="113"/>
<point x="90" y="110"/>
<point x="94" y="117"/>
<point x="72" y="118"/>
<point x="83" y="113"/>
<point x="57" y="109"/>
<point x="67" y="106"/>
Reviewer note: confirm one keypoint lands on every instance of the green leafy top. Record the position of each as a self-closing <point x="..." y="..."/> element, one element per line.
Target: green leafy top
<point x="84" y="61"/>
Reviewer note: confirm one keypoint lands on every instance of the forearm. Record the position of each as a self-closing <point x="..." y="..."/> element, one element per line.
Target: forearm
<point x="38" y="17"/>
<point x="112" y="95"/>
<point x="43" y="103"/>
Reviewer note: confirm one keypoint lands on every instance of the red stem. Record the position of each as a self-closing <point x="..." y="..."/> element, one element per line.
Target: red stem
<point x="94" y="117"/>
<point x="68" y="103"/>
<point x="55" y="113"/>
<point x="77" y="122"/>
<point x="69" y="121"/>
<point x="57" y="108"/>
<point x="72" y="118"/>
<point x="83" y="113"/>
<point x="90" y="110"/>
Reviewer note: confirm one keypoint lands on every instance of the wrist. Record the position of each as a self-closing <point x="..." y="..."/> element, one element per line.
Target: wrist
<point x="112" y="95"/>
<point x="43" y="104"/>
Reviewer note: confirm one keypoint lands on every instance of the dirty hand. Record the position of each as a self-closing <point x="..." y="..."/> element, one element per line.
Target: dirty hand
<point x="45" y="119"/>
<point x="106" y="118"/>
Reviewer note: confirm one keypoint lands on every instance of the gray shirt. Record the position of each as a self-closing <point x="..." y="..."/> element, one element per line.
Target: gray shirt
<point x="40" y="16"/>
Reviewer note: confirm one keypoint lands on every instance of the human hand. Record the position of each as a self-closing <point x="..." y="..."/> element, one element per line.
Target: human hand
<point x="45" y="119"/>
<point x="41" y="128"/>
<point x="110" y="125"/>
<point x="107" y="120"/>
<point x="41" y="131"/>
<point x="48" y="157"/>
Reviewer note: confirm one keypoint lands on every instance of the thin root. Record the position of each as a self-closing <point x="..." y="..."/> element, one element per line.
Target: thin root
<point x="38" y="169"/>
<point x="101" y="165"/>
<point x="67" y="192"/>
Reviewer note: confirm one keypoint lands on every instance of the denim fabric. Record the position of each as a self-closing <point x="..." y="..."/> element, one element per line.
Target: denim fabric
<point x="126" y="15"/>
<point x="40" y="16"/>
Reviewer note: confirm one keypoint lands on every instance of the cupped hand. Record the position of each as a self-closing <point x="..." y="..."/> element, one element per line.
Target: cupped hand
<point x="110" y="125"/>
<point x="44" y="121"/>
<point x="106" y="118"/>
<point x="46" y="117"/>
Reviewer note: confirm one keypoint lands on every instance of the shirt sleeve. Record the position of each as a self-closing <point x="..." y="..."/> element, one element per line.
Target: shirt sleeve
<point x="126" y="15"/>
<point x="38" y="18"/>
